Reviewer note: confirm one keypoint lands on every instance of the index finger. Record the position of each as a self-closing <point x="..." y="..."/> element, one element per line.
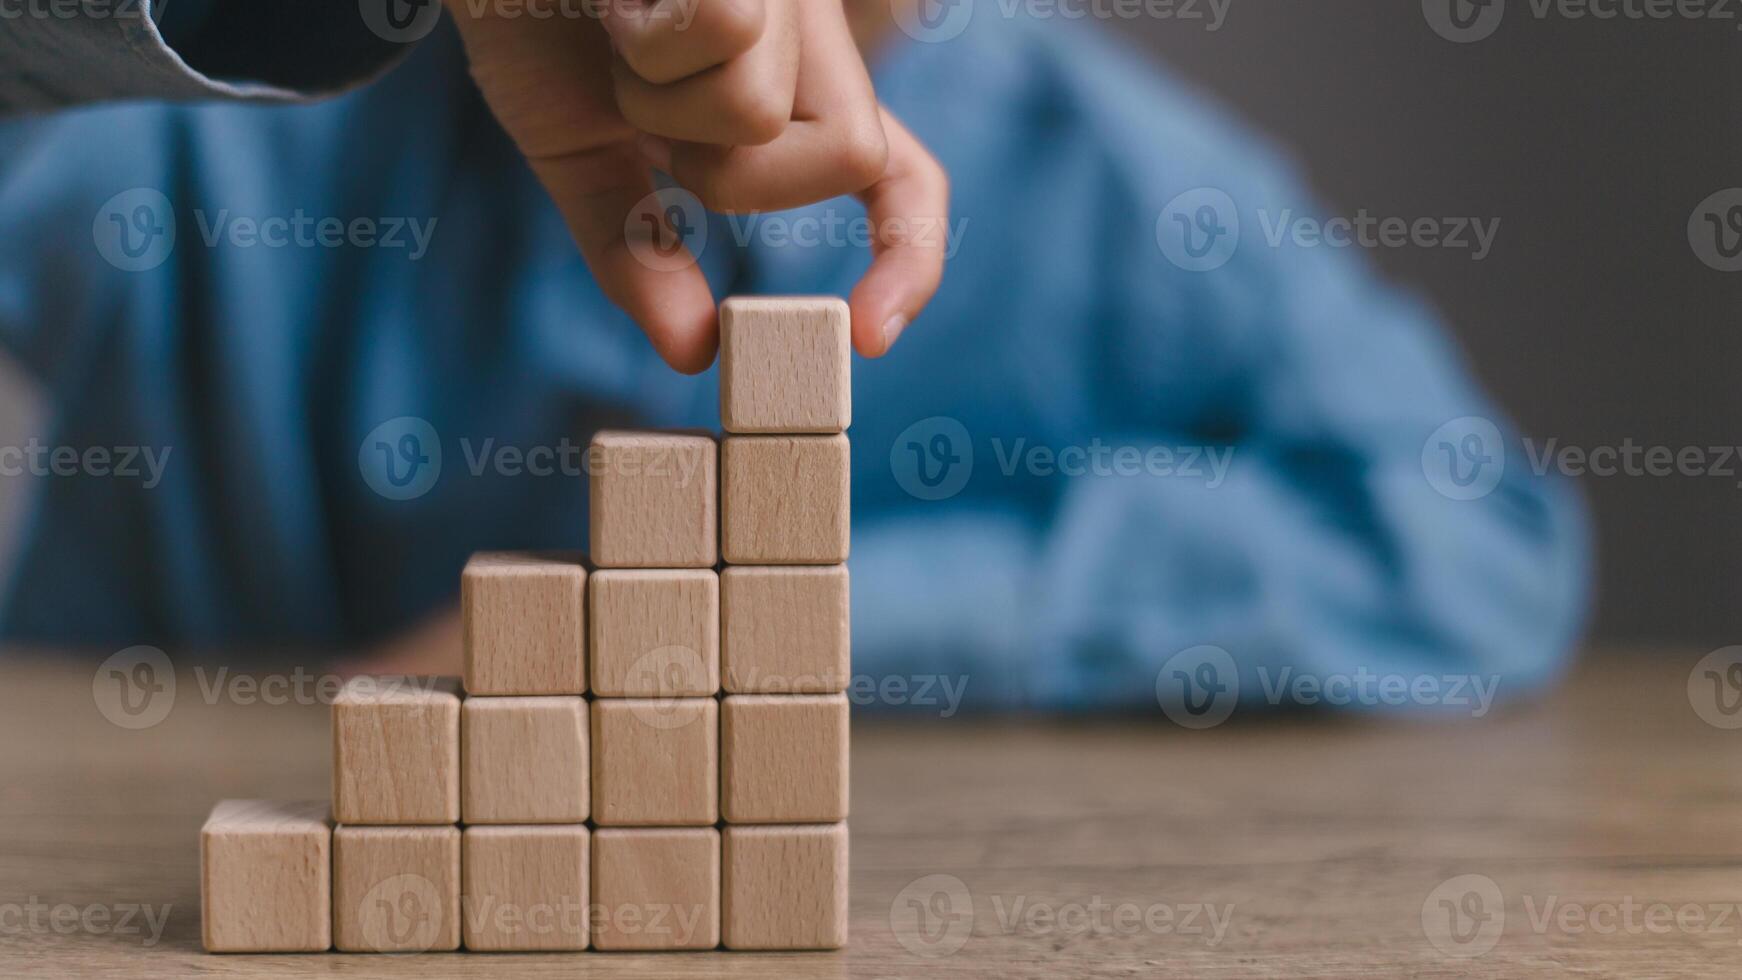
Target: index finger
<point x="909" y="208"/>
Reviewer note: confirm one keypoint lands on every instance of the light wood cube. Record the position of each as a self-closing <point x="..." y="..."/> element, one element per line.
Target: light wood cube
<point x="785" y="629"/>
<point x="266" y="877"/>
<point x="656" y="889"/>
<point x="783" y="758"/>
<point x="396" y="889"/>
<point x="526" y="889"/>
<point x="656" y="762"/>
<point x="784" y="887"/>
<point x="524" y="623"/>
<point x="653" y="500"/>
<point x="785" y="364"/>
<point x="786" y="500"/>
<point x="525" y="761"/>
<point x="655" y="632"/>
<point x="396" y="751"/>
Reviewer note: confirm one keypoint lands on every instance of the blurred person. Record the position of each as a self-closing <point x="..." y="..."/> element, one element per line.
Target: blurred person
<point x="1096" y="449"/>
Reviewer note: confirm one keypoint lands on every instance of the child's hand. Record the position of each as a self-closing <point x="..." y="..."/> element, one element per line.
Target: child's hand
<point x="752" y="105"/>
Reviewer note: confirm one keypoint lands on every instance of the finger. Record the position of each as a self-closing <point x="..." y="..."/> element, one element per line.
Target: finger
<point x="607" y="198"/>
<point x="665" y="40"/>
<point x="746" y="101"/>
<point x="550" y="89"/>
<point x="834" y="145"/>
<point x="909" y="211"/>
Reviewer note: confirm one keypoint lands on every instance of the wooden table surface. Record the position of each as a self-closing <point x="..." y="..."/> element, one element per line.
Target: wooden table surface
<point x="1604" y="823"/>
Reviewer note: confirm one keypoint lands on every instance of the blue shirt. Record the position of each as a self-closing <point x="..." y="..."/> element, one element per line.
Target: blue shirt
<point x="1132" y="424"/>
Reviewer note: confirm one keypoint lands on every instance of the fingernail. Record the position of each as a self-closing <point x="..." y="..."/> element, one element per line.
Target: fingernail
<point x="656" y="151"/>
<point x="892" y="329"/>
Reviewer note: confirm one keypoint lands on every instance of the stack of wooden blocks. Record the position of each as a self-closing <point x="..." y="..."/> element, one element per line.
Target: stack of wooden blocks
<point x="650" y="755"/>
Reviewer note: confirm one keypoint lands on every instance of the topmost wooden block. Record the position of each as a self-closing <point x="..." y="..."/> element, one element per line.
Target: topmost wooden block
<point x="785" y="365"/>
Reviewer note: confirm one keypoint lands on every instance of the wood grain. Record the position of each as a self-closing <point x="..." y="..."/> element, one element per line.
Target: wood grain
<point x="785" y="364"/>
<point x="266" y="873"/>
<point x="653" y="500"/>
<point x="525" y="761"/>
<point x="783" y="758"/>
<point x="526" y="888"/>
<point x="785" y="630"/>
<point x="396" y="889"/>
<point x="656" y="762"/>
<point x="523" y="623"/>
<point x="396" y="751"/>
<point x="784" y="887"/>
<point x="655" y="632"/>
<point x="786" y="500"/>
<point x="656" y="888"/>
<point x="1324" y="834"/>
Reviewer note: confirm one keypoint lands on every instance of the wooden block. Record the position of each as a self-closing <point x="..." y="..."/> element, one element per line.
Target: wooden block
<point x="656" y="762"/>
<point x="786" y="500"/>
<point x="266" y="882"/>
<point x="785" y="364"/>
<point x="784" y="887"/>
<point x="525" y="761"/>
<point x="526" y="889"/>
<point x="396" y="889"/>
<point x="396" y="751"/>
<point x="524" y="623"/>
<point x="656" y="889"/>
<point x="785" y="629"/>
<point x="655" y="633"/>
<point x="653" y="500"/>
<point x="783" y="758"/>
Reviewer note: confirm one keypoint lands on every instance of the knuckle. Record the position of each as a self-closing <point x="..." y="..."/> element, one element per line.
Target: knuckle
<point x="863" y="156"/>
<point x="758" y="115"/>
<point x="737" y="25"/>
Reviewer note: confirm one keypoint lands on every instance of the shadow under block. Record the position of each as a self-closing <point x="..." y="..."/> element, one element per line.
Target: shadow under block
<point x="525" y="761"/>
<point x="396" y="751"/>
<point x="526" y="888"/>
<point x="266" y="878"/>
<point x="656" y="888"/>
<point x="783" y="758"/>
<point x="655" y="632"/>
<point x="785" y="364"/>
<point x="784" y="887"/>
<point x="785" y="500"/>
<point x="652" y="500"/>
<point x="656" y="762"/>
<point x="396" y="889"/>
<point x="785" y="630"/>
<point x="524" y="623"/>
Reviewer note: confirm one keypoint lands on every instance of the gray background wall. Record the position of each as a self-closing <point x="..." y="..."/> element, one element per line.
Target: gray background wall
<point x="1592" y="320"/>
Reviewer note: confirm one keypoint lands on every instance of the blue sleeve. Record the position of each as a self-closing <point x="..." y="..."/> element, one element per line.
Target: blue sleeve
<point x="201" y="49"/>
<point x="1356" y="516"/>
